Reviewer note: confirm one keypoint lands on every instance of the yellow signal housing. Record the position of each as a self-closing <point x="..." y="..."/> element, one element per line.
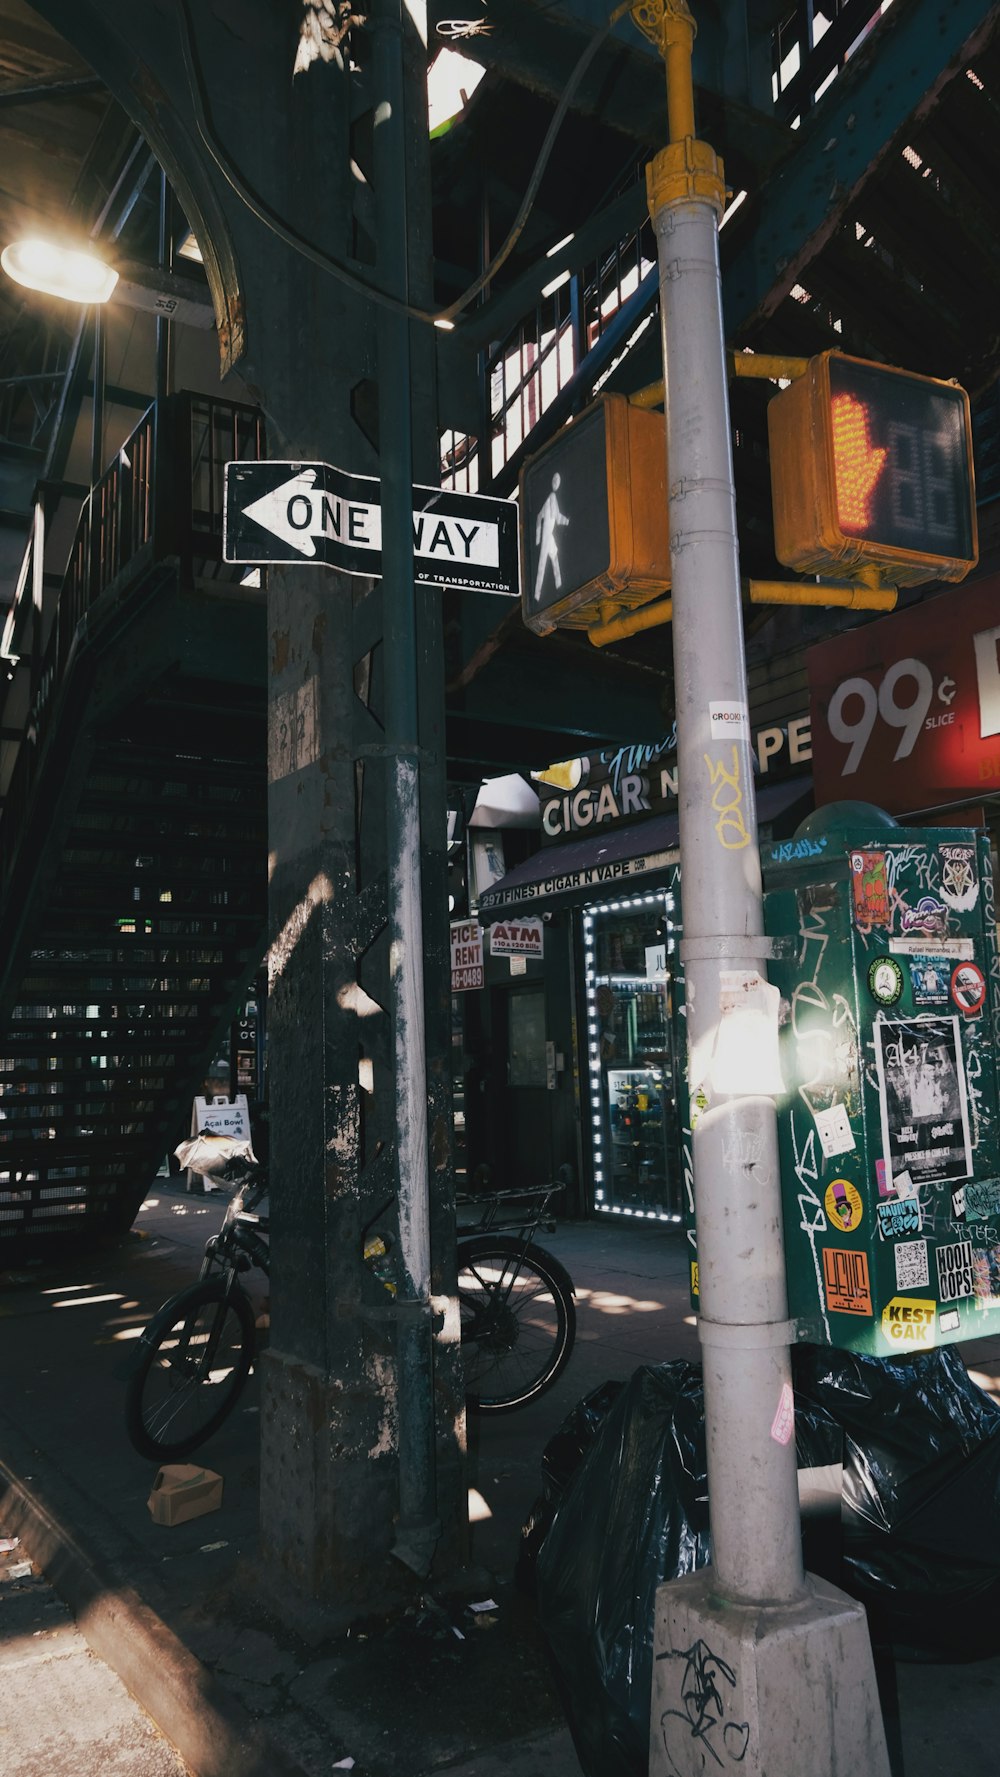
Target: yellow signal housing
<point x="595" y="535"/>
<point x="871" y="466"/>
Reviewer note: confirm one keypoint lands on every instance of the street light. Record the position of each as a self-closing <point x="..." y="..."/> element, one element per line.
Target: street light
<point x="78" y="276"/>
<point x="58" y="270"/>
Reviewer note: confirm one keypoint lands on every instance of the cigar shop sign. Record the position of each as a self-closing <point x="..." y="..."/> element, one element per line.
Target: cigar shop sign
<point x="625" y="783"/>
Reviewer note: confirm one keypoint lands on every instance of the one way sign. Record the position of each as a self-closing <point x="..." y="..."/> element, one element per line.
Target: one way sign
<point x="296" y="512"/>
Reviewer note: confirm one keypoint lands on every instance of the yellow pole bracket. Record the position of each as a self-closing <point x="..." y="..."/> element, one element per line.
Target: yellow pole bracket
<point x="617" y="628"/>
<point x="686" y="169"/>
<point x="869" y="596"/>
<point x="670" y="26"/>
<point x="767" y="366"/>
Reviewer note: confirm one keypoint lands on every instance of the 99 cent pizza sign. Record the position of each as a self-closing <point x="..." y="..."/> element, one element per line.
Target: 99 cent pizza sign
<point x="906" y="711"/>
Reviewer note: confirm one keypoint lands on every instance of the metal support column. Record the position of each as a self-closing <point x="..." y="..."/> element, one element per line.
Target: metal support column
<point x="418" y="1527"/>
<point x="751" y="1610"/>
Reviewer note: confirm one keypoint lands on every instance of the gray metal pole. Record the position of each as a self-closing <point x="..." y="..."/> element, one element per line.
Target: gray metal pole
<point x="418" y="1527"/>
<point x="752" y="1650"/>
<point x="743" y="1312"/>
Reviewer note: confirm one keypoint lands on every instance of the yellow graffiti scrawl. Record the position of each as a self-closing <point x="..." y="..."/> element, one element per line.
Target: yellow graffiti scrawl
<point x="727" y="801"/>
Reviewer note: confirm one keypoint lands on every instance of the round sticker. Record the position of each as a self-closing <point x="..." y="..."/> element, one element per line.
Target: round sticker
<point x="843" y="1205"/>
<point x="885" y="980"/>
<point x="968" y="988"/>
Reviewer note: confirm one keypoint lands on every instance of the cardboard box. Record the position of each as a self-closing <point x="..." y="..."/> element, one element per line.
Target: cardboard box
<point x="182" y="1491"/>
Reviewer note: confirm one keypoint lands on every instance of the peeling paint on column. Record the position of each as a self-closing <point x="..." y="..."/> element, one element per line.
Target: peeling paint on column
<point x="279" y="956"/>
<point x="407" y="971"/>
<point x="381" y="1372"/>
<point x="293" y="731"/>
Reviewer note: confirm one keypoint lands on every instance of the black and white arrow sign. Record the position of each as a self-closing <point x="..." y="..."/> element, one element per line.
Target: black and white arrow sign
<point x="312" y="512"/>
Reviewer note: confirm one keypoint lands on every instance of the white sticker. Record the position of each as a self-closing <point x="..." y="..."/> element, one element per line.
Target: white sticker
<point x="955" y="1271"/>
<point x="904" y="1185"/>
<point x="950" y="1321"/>
<point x="743" y="990"/>
<point x="783" y="1424"/>
<point x="729" y="721"/>
<point x="958" y="950"/>
<point x="834" y="1129"/>
<point x="911" y="1265"/>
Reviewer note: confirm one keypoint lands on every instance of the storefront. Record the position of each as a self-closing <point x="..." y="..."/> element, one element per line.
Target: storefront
<point x="607" y="886"/>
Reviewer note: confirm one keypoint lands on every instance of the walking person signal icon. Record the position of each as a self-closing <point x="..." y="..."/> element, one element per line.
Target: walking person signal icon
<point x="594" y="521"/>
<point x="547" y="524"/>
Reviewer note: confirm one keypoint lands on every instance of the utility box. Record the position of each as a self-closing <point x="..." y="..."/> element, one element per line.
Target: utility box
<point x="884" y="949"/>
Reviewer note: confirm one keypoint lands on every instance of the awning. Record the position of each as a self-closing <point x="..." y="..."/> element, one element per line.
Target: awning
<point x="614" y="857"/>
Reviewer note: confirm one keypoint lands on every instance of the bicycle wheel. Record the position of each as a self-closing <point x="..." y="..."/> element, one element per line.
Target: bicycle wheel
<point x="518" y="1322"/>
<point x="194" y="1359"/>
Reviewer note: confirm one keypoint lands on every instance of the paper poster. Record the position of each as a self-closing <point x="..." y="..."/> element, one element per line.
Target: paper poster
<point x="955" y="1273"/>
<point x="846" y="1280"/>
<point x="911" y="1265"/>
<point x="959" y="879"/>
<point x="844" y="1208"/>
<point x="929" y="980"/>
<point x="954" y="949"/>
<point x="924" y="1107"/>
<point x="898" y="1215"/>
<point x="908" y="1321"/>
<point x="871" y="888"/>
<point x="982" y="1201"/>
<point x="833" y="1127"/>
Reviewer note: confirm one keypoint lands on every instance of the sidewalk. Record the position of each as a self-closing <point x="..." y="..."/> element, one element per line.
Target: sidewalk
<point x="174" y="1611"/>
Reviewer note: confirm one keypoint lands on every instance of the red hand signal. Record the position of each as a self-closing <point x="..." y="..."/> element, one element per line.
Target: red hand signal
<point x="857" y="464"/>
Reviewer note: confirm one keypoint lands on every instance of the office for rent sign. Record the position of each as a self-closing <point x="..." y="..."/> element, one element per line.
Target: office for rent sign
<point x="467" y="970"/>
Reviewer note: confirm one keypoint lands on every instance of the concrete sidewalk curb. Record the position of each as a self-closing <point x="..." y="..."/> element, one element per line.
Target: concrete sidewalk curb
<point x="207" y="1726"/>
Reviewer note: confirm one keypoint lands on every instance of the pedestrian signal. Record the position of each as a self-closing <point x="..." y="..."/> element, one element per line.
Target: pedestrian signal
<point x="594" y="529"/>
<point x="872" y="466"/>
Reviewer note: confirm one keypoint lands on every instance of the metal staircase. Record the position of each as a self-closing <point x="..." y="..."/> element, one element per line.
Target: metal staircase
<point x="133" y="843"/>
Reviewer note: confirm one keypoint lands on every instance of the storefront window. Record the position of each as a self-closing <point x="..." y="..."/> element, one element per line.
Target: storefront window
<point x="630" y="953"/>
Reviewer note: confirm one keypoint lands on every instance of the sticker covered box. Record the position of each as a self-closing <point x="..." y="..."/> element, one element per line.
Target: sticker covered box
<point x="885" y="954"/>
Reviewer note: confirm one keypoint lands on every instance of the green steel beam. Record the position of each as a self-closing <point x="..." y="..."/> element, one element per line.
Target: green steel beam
<point x="889" y="87"/>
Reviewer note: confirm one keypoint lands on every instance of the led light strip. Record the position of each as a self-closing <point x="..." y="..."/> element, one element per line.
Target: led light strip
<point x="591" y="914"/>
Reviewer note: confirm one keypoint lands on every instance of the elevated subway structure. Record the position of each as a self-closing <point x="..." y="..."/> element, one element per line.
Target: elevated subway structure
<point x="93" y="641"/>
<point x="147" y="746"/>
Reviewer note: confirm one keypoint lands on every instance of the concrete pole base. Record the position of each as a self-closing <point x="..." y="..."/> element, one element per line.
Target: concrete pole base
<point x="763" y="1690"/>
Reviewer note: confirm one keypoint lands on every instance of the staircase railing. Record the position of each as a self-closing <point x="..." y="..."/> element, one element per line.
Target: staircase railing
<point x="160" y="498"/>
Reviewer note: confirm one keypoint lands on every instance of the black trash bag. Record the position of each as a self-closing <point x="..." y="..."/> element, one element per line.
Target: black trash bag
<point x="561" y="1458"/>
<point x="921" y="1505"/>
<point x="635" y="1514"/>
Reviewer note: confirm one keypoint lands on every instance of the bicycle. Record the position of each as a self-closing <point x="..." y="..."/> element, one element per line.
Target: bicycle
<point x="517" y="1310"/>
<point x="194" y="1357"/>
